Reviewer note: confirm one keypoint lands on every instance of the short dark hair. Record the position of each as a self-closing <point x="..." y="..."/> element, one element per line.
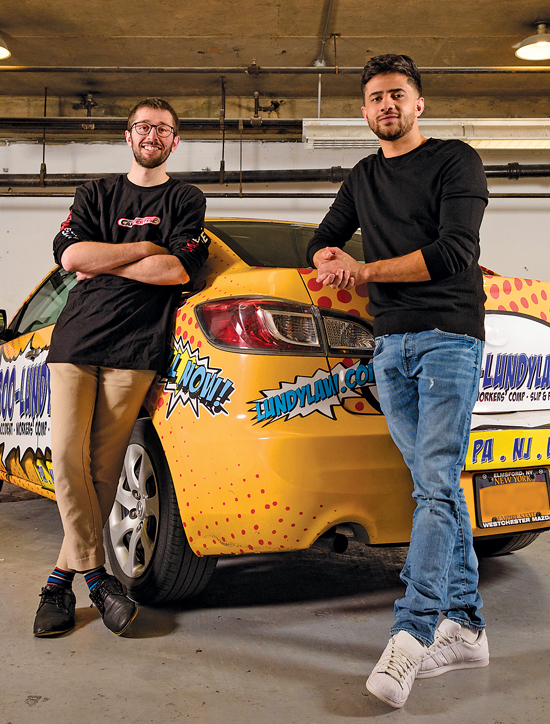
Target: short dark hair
<point x="158" y="104"/>
<point x="391" y="63"/>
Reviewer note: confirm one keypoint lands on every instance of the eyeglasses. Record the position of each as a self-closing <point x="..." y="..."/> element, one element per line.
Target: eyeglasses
<point x="163" y="130"/>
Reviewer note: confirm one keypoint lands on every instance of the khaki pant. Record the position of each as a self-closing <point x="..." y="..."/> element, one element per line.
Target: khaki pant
<point x="93" y="413"/>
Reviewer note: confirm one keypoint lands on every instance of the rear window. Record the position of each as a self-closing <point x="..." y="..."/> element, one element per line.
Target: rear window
<point x="272" y="243"/>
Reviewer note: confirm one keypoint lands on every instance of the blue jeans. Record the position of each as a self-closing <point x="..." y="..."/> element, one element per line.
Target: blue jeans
<point x="427" y="384"/>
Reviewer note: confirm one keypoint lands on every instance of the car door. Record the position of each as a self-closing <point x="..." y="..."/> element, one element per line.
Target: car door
<point x="25" y="433"/>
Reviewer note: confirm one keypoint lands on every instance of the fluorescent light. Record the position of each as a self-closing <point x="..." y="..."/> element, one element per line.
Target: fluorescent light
<point x="482" y="133"/>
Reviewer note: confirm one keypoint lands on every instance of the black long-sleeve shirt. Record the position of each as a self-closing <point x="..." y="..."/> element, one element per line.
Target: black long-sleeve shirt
<point x="110" y="320"/>
<point x="432" y="199"/>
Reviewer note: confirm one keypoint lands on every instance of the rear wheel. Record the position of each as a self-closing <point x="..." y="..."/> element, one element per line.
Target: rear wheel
<point x="507" y="544"/>
<point x="145" y="540"/>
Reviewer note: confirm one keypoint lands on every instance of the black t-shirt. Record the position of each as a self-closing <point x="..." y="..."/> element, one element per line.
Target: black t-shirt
<point x="432" y="199"/>
<point x="116" y="322"/>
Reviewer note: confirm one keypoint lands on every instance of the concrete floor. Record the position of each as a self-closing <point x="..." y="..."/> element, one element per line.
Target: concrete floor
<point x="274" y="638"/>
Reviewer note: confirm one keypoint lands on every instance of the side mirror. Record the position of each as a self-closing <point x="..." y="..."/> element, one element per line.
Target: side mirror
<point x="5" y="333"/>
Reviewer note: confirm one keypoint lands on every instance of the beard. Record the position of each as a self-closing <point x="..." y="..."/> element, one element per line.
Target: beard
<point x="153" y="162"/>
<point x="402" y="126"/>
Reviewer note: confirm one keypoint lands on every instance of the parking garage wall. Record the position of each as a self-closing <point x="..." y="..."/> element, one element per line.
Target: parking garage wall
<point x="515" y="232"/>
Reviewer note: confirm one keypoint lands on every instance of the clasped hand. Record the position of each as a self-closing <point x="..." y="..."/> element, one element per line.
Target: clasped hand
<point x="336" y="269"/>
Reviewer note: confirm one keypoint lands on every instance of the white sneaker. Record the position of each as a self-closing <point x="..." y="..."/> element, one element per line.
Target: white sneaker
<point x="392" y="677"/>
<point x="451" y="651"/>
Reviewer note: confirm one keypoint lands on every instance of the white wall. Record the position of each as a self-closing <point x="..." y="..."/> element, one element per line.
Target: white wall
<point x="514" y="234"/>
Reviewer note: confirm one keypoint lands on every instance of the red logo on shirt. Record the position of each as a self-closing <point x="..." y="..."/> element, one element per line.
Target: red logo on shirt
<point x="139" y="221"/>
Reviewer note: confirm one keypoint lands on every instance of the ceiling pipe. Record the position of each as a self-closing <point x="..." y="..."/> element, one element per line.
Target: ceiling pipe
<point x="245" y="195"/>
<point x="255" y="69"/>
<point x="335" y="174"/>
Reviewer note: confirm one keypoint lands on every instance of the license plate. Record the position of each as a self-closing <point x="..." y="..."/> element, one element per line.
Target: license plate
<point x="512" y="497"/>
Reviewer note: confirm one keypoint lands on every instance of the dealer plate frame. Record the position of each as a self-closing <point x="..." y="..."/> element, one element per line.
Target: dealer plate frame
<point x="487" y="480"/>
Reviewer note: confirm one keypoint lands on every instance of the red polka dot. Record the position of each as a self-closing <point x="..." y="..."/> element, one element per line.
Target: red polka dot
<point x="274" y="502"/>
<point x="314" y="285"/>
<point x="529" y="282"/>
<point x="184" y="316"/>
<point x="184" y="335"/>
<point x="190" y="320"/>
<point x="324" y="302"/>
<point x="544" y="295"/>
<point x="502" y="308"/>
<point x="252" y="511"/>
<point x="514" y="307"/>
<point x="267" y="507"/>
<point x="506" y="287"/>
<point x="280" y="520"/>
<point x="359" y="406"/>
<point x="262" y="491"/>
<point x="178" y="331"/>
<point x="190" y="539"/>
<point x="343" y="296"/>
<point x="287" y="508"/>
<point x="534" y="298"/>
<point x="543" y="316"/>
<point x="355" y="312"/>
<point x="524" y="302"/>
<point x="199" y="344"/>
<point x="250" y="548"/>
<point x="495" y="291"/>
<point x="160" y="403"/>
<point x="347" y="362"/>
<point x="261" y="542"/>
<point x="273" y="532"/>
<point x="518" y="284"/>
<point x="191" y="339"/>
<point x="306" y="271"/>
<point x="362" y="290"/>
<point x="243" y="532"/>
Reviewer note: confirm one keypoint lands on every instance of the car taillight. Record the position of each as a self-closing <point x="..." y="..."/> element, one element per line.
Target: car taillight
<point x="347" y="335"/>
<point x="278" y="326"/>
<point x="259" y="324"/>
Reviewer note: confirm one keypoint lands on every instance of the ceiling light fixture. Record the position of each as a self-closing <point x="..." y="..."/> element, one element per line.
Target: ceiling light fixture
<point x="535" y="47"/>
<point x="4" y="52"/>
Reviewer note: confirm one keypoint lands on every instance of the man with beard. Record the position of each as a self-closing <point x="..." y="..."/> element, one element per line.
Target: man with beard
<point x="419" y="203"/>
<point x="132" y="240"/>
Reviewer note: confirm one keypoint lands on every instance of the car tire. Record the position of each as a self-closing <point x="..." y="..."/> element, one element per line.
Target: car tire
<point x="507" y="544"/>
<point x="145" y="539"/>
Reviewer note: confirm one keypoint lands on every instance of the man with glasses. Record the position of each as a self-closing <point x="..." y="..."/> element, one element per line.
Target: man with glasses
<point x="132" y="240"/>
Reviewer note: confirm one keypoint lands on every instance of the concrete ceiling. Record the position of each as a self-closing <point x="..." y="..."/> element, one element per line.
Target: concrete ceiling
<point x="219" y="34"/>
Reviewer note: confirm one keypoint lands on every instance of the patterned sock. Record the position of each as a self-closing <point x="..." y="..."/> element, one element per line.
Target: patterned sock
<point x="94" y="576"/>
<point x="61" y="578"/>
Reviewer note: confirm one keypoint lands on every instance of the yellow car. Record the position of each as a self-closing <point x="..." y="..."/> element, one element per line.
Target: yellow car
<point x="265" y="433"/>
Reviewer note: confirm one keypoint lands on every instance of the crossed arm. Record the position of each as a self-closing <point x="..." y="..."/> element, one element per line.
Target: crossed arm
<point x="142" y="261"/>
<point x="339" y="270"/>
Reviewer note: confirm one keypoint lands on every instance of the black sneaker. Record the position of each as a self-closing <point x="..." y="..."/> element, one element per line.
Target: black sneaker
<point x="55" y="614"/>
<point x="116" y="609"/>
